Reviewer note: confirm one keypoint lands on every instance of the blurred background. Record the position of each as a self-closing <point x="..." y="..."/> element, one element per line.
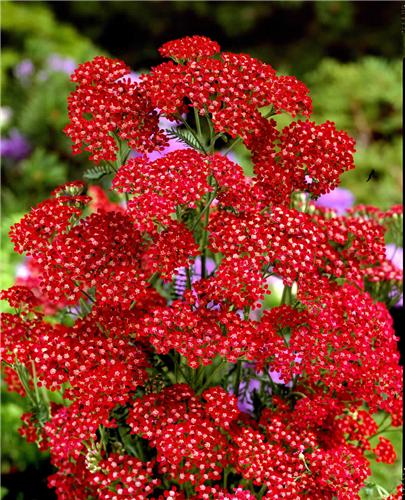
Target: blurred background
<point x="348" y="53"/>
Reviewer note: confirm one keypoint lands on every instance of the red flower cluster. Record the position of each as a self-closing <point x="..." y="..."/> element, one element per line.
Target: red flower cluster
<point x="179" y="178"/>
<point x="152" y="380"/>
<point x="231" y="87"/>
<point x="305" y="157"/>
<point x="189" y="47"/>
<point x="46" y="221"/>
<point x="103" y="105"/>
<point x="385" y="451"/>
<point x="201" y="334"/>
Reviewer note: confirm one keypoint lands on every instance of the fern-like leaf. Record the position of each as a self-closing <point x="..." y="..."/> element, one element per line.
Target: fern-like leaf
<point x="186" y="137"/>
<point x="96" y="173"/>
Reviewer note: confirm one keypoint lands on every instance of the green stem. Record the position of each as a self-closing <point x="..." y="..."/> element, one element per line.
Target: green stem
<point x="199" y="375"/>
<point x="176" y="368"/>
<point x="284" y="337"/>
<point x="212" y="137"/>
<point x="386" y="417"/>
<point x="45" y="397"/>
<point x="197" y="123"/>
<point x="382" y="491"/>
<point x="387" y="429"/>
<point x="84" y="292"/>
<point x="121" y="160"/>
<point x="286" y="297"/>
<point x="35" y="380"/>
<point x="188" y="489"/>
<point x="225" y="479"/>
<point x="204" y="240"/>
<point x="180" y="118"/>
<point x="297" y="393"/>
<point x="204" y="257"/>
<point x="235" y="143"/>
<point x="88" y="296"/>
<point x="186" y="379"/>
<point x="269" y="113"/>
<point x="272" y="384"/>
<point x="103" y="437"/>
<point x="111" y="164"/>
<point x="238" y="140"/>
<point x="153" y="279"/>
<point x="262" y="491"/>
<point x="238" y="376"/>
<point x="139" y="450"/>
<point x="188" y="278"/>
<point x="22" y="375"/>
<point x="210" y="377"/>
<point x="206" y="208"/>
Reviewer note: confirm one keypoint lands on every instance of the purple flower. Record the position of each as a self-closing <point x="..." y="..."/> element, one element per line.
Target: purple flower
<point x="246" y="391"/>
<point x="231" y="156"/>
<point x="61" y="64"/>
<point x="174" y="145"/>
<point x="197" y="268"/>
<point x="15" y="146"/>
<point x="196" y="274"/>
<point x="276" y="377"/>
<point x="245" y="400"/>
<point x="396" y="256"/>
<point x="24" y="70"/>
<point x="166" y="124"/>
<point x="339" y="200"/>
<point x="134" y="76"/>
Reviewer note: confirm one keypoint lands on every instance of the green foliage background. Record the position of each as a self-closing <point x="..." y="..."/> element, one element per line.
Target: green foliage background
<point x="348" y="53"/>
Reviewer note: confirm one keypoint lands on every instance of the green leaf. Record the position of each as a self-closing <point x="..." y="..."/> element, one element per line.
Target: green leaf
<point x="186" y="137"/>
<point x="98" y="172"/>
<point x="127" y="440"/>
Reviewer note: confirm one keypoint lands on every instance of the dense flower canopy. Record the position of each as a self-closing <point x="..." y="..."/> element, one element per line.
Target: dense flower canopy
<point x="148" y="316"/>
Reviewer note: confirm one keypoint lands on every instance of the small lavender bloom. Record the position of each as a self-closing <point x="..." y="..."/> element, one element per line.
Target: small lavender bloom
<point x="24" y="70"/>
<point x="276" y="377"/>
<point x="396" y="256"/>
<point x="173" y="145"/>
<point x="166" y="124"/>
<point x="15" y="146"/>
<point x="339" y="200"/>
<point x="245" y="400"/>
<point x="61" y="64"/>
<point x="197" y="268"/>
<point x="232" y="156"/>
<point x="181" y="278"/>
<point x="134" y="76"/>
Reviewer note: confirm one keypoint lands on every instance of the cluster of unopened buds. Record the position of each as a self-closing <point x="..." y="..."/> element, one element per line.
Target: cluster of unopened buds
<point x="142" y="318"/>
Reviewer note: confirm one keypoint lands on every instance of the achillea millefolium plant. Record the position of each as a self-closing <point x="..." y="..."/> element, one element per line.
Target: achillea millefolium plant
<point x="145" y="315"/>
